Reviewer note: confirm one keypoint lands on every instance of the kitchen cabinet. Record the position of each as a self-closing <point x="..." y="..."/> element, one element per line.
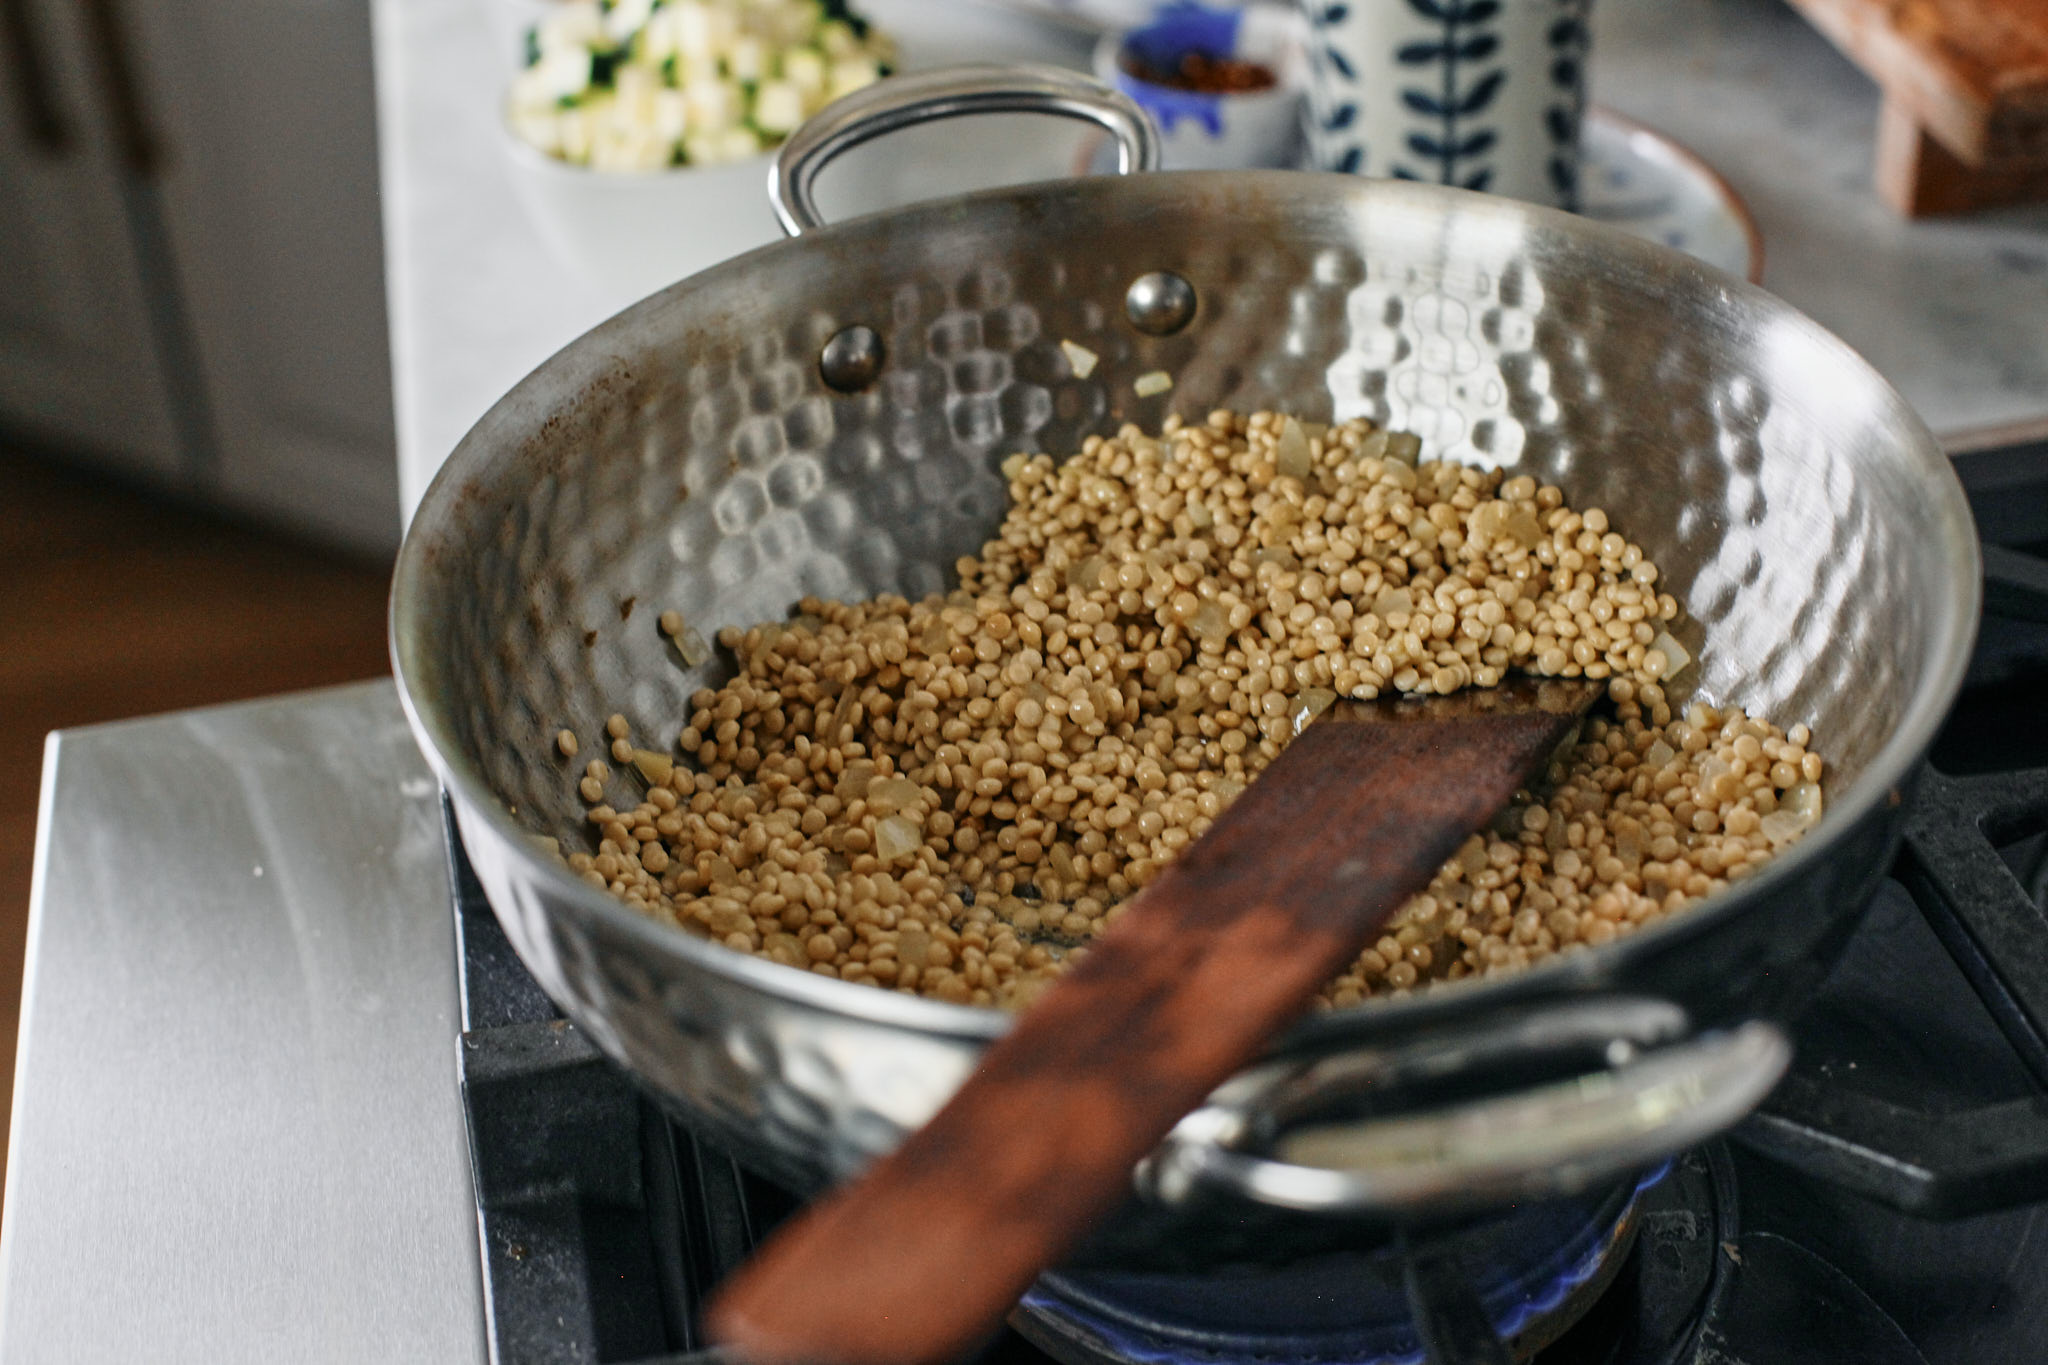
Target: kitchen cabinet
<point x="232" y="177"/>
<point x="265" y="115"/>
<point x="78" y="370"/>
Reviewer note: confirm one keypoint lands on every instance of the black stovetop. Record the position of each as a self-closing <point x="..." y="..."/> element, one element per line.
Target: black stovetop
<point x="1883" y="1208"/>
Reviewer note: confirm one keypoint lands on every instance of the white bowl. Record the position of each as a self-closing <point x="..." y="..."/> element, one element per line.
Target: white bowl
<point x="1211" y="132"/>
<point x="634" y="232"/>
<point x="639" y="231"/>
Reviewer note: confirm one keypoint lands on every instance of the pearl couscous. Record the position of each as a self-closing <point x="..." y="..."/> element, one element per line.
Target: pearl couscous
<point x="951" y="797"/>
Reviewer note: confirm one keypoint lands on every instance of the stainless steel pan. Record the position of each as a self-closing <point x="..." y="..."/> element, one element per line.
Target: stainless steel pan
<point x="825" y="416"/>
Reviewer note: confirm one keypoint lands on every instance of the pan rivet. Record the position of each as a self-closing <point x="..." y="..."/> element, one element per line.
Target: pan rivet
<point x="1160" y="303"/>
<point x="852" y="359"/>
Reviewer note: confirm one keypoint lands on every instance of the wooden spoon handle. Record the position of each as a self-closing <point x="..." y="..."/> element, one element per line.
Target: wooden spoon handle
<point x="916" y="1261"/>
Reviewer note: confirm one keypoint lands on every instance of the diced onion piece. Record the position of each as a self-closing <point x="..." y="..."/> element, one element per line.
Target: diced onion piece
<point x="1393" y="602"/>
<point x="692" y="647"/>
<point x="1061" y="859"/>
<point x="1782" y="826"/>
<point x="1658" y="755"/>
<point x="1087" y="574"/>
<point x="1209" y="623"/>
<point x="1291" y="453"/>
<point x="1153" y="382"/>
<point x="1275" y="554"/>
<point x="1404" y="446"/>
<point x="1521" y="526"/>
<point x="1676" y="660"/>
<point x="888" y="795"/>
<point x="653" y="766"/>
<point x="853" y="782"/>
<point x="1079" y="358"/>
<point x="1803" y="800"/>
<point x="1100" y="492"/>
<point x="1312" y="702"/>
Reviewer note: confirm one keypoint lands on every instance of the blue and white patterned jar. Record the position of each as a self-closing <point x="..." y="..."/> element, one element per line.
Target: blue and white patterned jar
<point x="1481" y="94"/>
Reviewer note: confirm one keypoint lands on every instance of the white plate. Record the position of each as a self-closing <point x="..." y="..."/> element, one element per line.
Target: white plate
<point x="1644" y="183"/>
<point x="1641" y="182"/>
<point x="1631" y="176"/>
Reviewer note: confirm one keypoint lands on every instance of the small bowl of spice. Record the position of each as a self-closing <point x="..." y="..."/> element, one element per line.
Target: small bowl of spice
<point x="1224" y="85"/>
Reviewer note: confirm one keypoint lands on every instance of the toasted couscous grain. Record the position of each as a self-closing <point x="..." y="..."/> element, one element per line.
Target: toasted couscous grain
<point x="951" y="797"/>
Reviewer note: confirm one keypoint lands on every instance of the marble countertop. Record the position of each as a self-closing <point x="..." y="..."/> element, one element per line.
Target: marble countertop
<point x="1951" y="311"/>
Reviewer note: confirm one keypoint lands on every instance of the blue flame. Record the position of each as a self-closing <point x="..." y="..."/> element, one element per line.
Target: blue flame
<point x="1521" y="1308"/>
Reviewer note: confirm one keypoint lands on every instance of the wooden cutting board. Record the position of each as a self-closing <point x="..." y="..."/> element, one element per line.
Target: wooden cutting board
<point x="1965" y="116"/>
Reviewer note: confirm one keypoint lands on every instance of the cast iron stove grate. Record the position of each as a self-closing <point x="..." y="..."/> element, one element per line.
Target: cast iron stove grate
<point x="1873" y="1212"/>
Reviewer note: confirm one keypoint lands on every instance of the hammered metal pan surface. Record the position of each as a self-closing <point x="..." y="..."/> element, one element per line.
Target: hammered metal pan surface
<point x="686" y="456"/>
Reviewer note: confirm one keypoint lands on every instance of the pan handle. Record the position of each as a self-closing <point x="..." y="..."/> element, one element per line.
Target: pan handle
<point x="1658" y="1093"/>
<point x="950" y="92"/>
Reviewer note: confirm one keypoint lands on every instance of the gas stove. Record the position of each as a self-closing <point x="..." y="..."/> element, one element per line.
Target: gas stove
<point x="1875" y="1210"/>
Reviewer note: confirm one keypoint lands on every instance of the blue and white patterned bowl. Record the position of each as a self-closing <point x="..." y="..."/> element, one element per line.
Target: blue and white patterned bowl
<point x="1480" y="94"/>
<point x="1207" y="132"/>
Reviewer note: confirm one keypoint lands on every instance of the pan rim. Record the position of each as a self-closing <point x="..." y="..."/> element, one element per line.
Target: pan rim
<point x="1951" y="636"/>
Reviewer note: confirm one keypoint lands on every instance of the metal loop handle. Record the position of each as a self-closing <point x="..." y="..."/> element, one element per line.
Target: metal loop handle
<point x="1551" y="1139"/>
<point x="950" y="92"/>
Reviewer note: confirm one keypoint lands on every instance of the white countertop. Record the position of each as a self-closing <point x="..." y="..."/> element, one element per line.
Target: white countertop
<point x="1951" y="311"/>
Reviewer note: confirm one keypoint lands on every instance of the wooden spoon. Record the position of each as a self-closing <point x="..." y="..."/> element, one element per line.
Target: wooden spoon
<point x="913" y="1263"/>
